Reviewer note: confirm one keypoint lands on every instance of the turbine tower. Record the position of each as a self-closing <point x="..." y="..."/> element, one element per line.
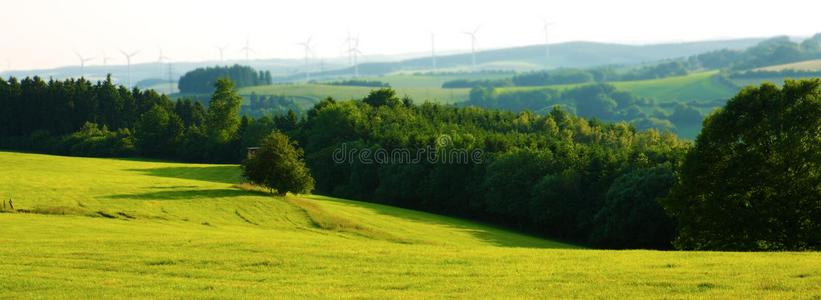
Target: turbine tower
<point x="349" y="42"/>
<point x="162" y="58"/>
<point x="221" y="49"/>
<point x="472" y="35"/>
<point x="433" y="50"/>
<point x="247" y="49"/>
<point x="105" y="58"/>
<point x="355" y="53"/>
<point x="307" y="47"/>
<point x="546" y="27"/>
<point x="128" y="57"/>
<point x="83" y="61"/>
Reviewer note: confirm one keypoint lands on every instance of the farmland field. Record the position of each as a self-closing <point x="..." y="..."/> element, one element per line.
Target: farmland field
<point x="701" y="86"/>
<point x="131" y="228"/>
<point x="807" y="65"/>
<point x="401" y="80"/>
<point x="317" y="92"/>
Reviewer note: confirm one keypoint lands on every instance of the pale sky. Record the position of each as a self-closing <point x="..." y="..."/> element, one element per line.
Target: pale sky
<point x="46" y="33"/>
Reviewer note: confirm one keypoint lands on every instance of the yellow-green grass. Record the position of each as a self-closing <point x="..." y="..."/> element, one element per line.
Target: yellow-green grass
<point x="807" y="65"/>
<point x="702" y="86"/>
<point x="405" y="80"/>
<point x="145" y="229"/>
<point x="317" y="92"/>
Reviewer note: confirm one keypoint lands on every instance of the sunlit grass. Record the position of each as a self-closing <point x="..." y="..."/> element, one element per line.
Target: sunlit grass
<point x="317" y="92"/>
<point x="104" y="228"/>
<point x="807" y="65"/>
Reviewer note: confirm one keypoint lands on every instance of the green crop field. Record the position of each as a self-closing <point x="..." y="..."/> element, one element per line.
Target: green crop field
<point x="697" y="86"/>
<point x="119" y="228"/>
<point x="404" y="80"/>
<point x="807" y="65"/>
<point x="702" y="86"/>
<point x="317" y="92"/>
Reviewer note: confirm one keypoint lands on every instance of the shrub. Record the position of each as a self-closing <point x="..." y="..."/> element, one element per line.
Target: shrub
<point x="278" y="165"/>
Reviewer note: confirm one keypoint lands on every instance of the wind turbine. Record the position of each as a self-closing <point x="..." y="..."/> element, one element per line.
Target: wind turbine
<point x="83" y="61"/>
<point x="433" y="50"/>
<point x="349" y="42"/>
<point x="472" y="35"/>
<point x="221" y="49"/>
<point x="546" y="27"/>
<point x="247" y="49"/>
<point x="106" y="58"/>
<point x="128" y="57"/>
<point x="355" y="53"/>
<point x="307" y="46"/>
<point x="162" y="58"/>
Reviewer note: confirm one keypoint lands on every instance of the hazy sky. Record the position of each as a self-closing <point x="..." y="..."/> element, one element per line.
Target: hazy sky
<point x="42" y="34"/>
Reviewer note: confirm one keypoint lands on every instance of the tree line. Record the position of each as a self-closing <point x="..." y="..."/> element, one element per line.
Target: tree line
<point x="556" y="174"/>
<point x="600" y="101"/>
<point x="202" y="80"/>
<point x="78" y="117"/>
<point x="751" y="181"/>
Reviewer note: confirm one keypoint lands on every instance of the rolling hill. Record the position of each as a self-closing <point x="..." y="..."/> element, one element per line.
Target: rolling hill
<point x="564" y="55"/>
<point x="807" y="65"/>
<point x="106" y="228"/>
<point x="313" y="93"/>
<point x="702" y="86"/>
<point x="569" y="55"/>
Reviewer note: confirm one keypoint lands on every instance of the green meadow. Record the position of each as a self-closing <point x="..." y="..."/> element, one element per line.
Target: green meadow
<point x="405" y="80"/>
<point x="806" y="65"/>
<point x="316" y="92"/>
<point x="121" y="228"/>
<point x="702" y="86"/>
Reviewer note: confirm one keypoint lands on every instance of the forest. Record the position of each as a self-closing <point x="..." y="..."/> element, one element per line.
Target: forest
<point x="600" y="101"/>
<point x="590" y="181"/>
<point x="202" y="80"/>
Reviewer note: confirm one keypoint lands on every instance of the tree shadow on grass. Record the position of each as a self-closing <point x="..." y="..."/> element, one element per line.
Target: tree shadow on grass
<point x="193" y="194"/>
<point x="218" y="174"/>
<point x="495" y="235"/>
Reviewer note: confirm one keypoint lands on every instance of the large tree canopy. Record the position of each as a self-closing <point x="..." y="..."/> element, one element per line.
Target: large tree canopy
<point x="753" y="179"/>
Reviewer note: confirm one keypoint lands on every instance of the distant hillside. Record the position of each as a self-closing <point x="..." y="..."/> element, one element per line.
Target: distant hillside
<point x="565" y="55"/>
<point x="807" y="65"/>
<point x="153" y="71"/>
<point x="568" y="55"/>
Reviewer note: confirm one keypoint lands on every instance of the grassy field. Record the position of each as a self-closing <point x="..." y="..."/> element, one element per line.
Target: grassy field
<point x="701" y="86"/>
<point x="807" y="65"/>
<point x="693" y="87"/>
<point x="403" y="80"/>
<point x="317" y="92"/>
<point x="128" y="228"/>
